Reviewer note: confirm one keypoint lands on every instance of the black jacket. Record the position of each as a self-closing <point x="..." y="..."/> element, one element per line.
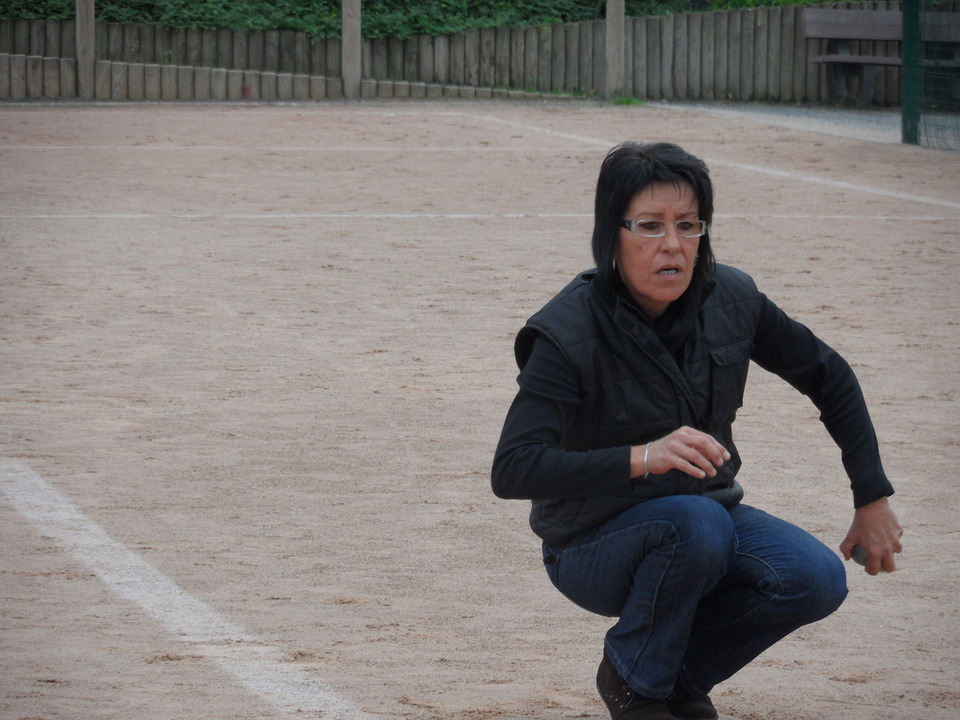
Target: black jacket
<point x="604" y="380"/>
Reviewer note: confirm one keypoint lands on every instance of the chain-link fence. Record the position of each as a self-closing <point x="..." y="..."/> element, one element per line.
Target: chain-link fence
<point x="931" y="73"/>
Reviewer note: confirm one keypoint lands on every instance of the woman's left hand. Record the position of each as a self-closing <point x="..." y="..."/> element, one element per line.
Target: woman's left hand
<point x="877" y="529"/>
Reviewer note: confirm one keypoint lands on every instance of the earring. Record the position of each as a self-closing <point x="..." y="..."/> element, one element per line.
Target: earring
<point x="614" y="264"/>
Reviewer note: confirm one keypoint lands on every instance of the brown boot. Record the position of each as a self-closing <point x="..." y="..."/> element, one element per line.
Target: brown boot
<point x="625" y="703"/>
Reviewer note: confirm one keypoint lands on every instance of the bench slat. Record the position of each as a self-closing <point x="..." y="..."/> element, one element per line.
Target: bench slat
<point x="859" y="59"/>
<point x="852" y="24"/>
<point x="940" y="27"/>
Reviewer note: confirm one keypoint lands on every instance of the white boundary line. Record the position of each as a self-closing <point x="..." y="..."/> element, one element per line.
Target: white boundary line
<point x="392" y="149"/>
<point x="440" y="216"/>
<point x="801" y="177"/>
<point x="258" y="667"/>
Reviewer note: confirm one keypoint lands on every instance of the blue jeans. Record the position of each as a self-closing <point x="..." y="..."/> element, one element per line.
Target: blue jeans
<point x="699" y="590"/>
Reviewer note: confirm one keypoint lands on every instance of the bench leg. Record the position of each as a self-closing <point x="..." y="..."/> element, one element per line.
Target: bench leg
<point x="836" y="83"/>
<point x="866" y="82"/>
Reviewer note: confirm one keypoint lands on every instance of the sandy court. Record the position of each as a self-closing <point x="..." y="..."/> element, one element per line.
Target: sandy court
<point x="255" y="363"/>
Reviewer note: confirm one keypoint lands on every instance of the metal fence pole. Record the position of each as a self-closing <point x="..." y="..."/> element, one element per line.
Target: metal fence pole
<point x="910" y="99"/>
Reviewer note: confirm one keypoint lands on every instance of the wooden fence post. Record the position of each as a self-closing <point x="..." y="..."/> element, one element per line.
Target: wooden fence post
<point x="616" y="37"/>
<point x="86" y="49"/>
<point x="351" y="49"/>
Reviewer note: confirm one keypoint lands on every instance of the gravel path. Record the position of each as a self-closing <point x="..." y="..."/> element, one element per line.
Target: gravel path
<point x="872" y="124"/>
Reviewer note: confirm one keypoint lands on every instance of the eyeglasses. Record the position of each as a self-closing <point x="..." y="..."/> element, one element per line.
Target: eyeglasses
<point x="658" y="228"/>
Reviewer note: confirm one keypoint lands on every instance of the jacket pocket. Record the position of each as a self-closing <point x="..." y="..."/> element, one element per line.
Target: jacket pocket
<point x="728" y="367"/>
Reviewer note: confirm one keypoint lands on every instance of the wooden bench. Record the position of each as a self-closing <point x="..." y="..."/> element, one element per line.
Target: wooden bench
<point x="940" y="32"/>
<point x="841" y="29"/>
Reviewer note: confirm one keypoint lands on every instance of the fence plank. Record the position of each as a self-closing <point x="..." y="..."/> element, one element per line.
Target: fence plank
<point x="255" y="42"/>
<point x="271" y="54"/>
<point x="457" y="57"/>
<point x="240" y="56"/>
<point x="758" y="45"/>
<point x="366" y="63"/>
<point x="694" y="48"/>
<point x="681" y="57"/>
<point x="558" y="58"/>
<point x="51" y="41"/>
<point x="654" y="58"/>
<point x="733" y="55"/>
<point x="411" y="60"/>
<point x="4" y="73"/>
<point x="585" y="42"/>
<point x="394" y="60"/>
<point x="441" y="59"/>
<point x="544" y="53"/>
<point x="531" y="65"/>
<point x="334" y="62"/>
<point x="471" y="58"/>
<point x="599" y="55"/>
<point x="502" y="55"/>
<point x="193" y="49"/>
<point x="770" y="55"/>
<point x="638" y="59"/>
<point x="784" y="81"/>
<point x="799" y="57"/>
<point x="224" y="57"/>
<point x="208" y="53"/>
<point x="38" y="40"/>
<point x="146" y="37"/>
<point x="51" y="77"/>
<point x="425" y="59"/>
<point x="488" y="59"/>
<point x="379" y="63"/>
<point x="517" y="58"/>
<point x="628" y="40"/>
<point x="178" y="45"/>
<point x="301" y="64"/>
<point x="130" y="43"/>
<point x="6" y="48"/>
<point x="790" y="62"/>
<point x="119" y="77"/>
<point x="287" y="53"/>
<point x="162" y="42"/>
<point x="708" y="56"/>
<point x="68" y="77"/>
<point x="571" y="54"/>
<point x="135" y="82"/>
<point x="721" y="54"/>
<point x="114" y="47"/>
<point x="318" y="64"/>
<point x="21" y="40"/>
<point x="68" y="39"/>
<point x="18" y="76"/>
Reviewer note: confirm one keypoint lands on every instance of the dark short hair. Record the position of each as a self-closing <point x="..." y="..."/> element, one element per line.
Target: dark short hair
<point x="627" y="170"/>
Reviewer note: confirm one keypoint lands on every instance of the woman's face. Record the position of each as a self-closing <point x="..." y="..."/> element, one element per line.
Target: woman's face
<point x="658" y="270"/>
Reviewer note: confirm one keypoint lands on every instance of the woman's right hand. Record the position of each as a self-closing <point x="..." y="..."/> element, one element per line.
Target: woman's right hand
<point x="686" y="449"/>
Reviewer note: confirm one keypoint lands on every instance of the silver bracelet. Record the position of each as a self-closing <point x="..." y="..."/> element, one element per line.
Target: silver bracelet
<point x="646" y="450"/>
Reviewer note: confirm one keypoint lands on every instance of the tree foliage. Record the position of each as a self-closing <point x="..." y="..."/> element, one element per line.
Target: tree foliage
<point x="380" y="18"/>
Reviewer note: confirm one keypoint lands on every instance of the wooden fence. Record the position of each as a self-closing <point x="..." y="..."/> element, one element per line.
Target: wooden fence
<point x="738" y="55"/>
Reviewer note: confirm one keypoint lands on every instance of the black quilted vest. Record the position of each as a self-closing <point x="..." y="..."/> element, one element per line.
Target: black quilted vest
<point x="633" y="391"/>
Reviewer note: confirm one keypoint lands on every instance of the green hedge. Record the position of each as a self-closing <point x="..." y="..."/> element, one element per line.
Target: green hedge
<point x="380" y="18"/>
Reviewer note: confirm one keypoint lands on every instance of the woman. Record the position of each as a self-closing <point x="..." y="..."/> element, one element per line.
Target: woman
<point x="620" y="434"/>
